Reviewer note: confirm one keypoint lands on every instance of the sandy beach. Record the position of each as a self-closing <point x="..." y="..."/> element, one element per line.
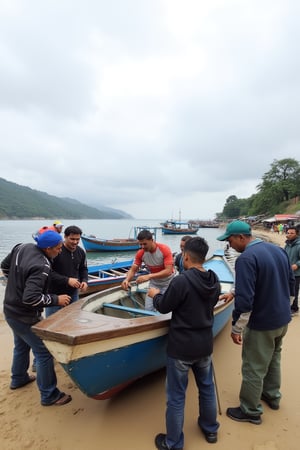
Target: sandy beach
<point x="134" y="417"/>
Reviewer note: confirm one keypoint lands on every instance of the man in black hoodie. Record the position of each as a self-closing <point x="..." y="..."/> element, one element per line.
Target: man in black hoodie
<point x="191" y="297"/>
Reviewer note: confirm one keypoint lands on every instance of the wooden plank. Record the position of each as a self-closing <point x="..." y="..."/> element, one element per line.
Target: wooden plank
<point x="117" y="272"/>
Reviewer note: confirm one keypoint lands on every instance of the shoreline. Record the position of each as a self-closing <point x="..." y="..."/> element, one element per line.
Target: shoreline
<point x="136" y="415"/>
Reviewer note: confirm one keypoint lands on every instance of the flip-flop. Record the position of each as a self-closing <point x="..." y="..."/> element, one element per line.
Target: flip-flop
<point x="31" y="378"/>
<point x="63" y="399"/>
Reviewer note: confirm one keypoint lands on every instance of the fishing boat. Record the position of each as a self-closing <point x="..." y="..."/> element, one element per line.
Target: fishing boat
<point x="107" y="340"/>
<point x="178" y="227"/>
<point x="106" y="276"/>
<point x="94" y="244"/>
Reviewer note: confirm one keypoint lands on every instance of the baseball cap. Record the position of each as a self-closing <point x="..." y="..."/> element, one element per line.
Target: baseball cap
<point x="57" y="223"/>
<point x="48" y="239"/>
<point x="235" y="227"/>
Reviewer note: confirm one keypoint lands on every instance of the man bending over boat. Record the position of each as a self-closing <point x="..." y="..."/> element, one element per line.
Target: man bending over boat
<point x="158" y="259"/>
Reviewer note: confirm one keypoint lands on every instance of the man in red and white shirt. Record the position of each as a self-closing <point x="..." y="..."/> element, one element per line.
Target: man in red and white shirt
<point x="158" y="259"/>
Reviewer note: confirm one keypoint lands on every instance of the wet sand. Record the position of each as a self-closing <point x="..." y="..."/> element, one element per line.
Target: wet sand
<point x="134" y="417"/>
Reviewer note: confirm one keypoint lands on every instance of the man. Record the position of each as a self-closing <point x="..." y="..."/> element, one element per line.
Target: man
<point x="58" y="226"/>
<point x="264" y="283"/>
<point x="178" y="259"/>
<point x="191" y="298"/>
<point x="70" y="273"/>
<point x="159" y="261"/>
<point x="292" y="247"/>
<point x="28" y="268"/>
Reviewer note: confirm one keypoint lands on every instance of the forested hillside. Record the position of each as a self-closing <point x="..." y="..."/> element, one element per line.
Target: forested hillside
<point x="20" y="202"/>
<point x="277" y="193"/>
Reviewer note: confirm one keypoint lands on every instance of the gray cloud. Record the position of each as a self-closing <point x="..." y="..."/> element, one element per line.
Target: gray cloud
<point x="148" y="107"/>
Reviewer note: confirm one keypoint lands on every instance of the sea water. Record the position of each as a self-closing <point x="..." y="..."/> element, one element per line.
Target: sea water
<point x="13" y="232"/>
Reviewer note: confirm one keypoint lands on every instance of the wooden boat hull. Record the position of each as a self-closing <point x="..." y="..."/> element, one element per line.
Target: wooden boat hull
<point x="102" y="353"/>
<point x="94" y="244"/>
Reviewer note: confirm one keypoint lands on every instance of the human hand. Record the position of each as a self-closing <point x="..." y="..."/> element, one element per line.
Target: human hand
<point x="64" y="300"/>
<point x="226" y="297"/>
<point x="83" y="286"/>
<point x="125" y="285"/>
<point x="74" y="283"/>
<point x="237" y="338"/>
<point x="152" y="292"/>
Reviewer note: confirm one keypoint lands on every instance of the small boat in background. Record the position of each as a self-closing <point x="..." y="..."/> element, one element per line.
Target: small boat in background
<point x="206" y="223"/>
<point x="107" y="340"/>
<point x="178" y="227"/>
<point x="106" y="276"/>
<point x="94" y="244"/>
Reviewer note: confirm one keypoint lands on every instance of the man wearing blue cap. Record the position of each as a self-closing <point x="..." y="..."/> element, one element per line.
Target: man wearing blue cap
<point x="264" y="283"/>
<point x="27" y="268"/>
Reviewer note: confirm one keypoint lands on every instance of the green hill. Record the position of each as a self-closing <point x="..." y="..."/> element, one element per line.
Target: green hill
<point x="21" y="202"/>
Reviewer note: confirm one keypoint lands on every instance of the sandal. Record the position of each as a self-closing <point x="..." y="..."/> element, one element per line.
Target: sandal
<point x="30" y="379"/>
<point x="63" y="399"/>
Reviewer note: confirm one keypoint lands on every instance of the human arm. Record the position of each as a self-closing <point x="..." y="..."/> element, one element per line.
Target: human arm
<point x="35" y="289"/>
<point x="243" y="291"/>
<point x="164" y="273"/>
<point x="83" y="269"/>
<point x="5" y="264"/>
<point x="167" y="302"/>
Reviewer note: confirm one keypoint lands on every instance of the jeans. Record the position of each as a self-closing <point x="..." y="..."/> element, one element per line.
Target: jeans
<point x="176" y="385"/>
<point x="49" y="310"/>
<point x="295" y="305"/>
<point x="24" y="340"/>
<point x="261" y="356"/>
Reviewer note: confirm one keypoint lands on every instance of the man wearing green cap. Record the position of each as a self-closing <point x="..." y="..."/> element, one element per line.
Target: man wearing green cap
<point x="264" y="283"/>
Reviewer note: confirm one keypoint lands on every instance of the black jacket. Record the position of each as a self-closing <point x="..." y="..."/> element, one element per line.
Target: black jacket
<point x="68" y="265"/>
<point x="27" y="269"/>
<point x="191" y="297"/>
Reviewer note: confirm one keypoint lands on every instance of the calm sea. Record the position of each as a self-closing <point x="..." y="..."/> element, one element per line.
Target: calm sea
<point x="13" y="232"/>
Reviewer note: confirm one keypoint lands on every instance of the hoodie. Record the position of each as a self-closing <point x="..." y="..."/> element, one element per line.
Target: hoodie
<point x="191" y="298"/>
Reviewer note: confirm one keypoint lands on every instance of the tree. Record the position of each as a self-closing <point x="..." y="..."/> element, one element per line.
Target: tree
<point x="281" y="183"/>
<point x="235" y="207"/>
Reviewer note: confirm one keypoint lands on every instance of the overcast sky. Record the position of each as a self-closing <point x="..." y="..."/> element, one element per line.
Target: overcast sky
<point x="149" y="106"/>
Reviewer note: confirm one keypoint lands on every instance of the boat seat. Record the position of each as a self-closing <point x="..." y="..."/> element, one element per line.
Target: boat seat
<point x="105" y="273"/>
<point x="117" y="272"/>
<point x="144" y="312"/>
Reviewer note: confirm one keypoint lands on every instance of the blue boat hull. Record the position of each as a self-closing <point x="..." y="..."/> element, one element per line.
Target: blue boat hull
<point x="92" y="244"/>
<point x="102" y="375"/>
<point x="108" y="340"/>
